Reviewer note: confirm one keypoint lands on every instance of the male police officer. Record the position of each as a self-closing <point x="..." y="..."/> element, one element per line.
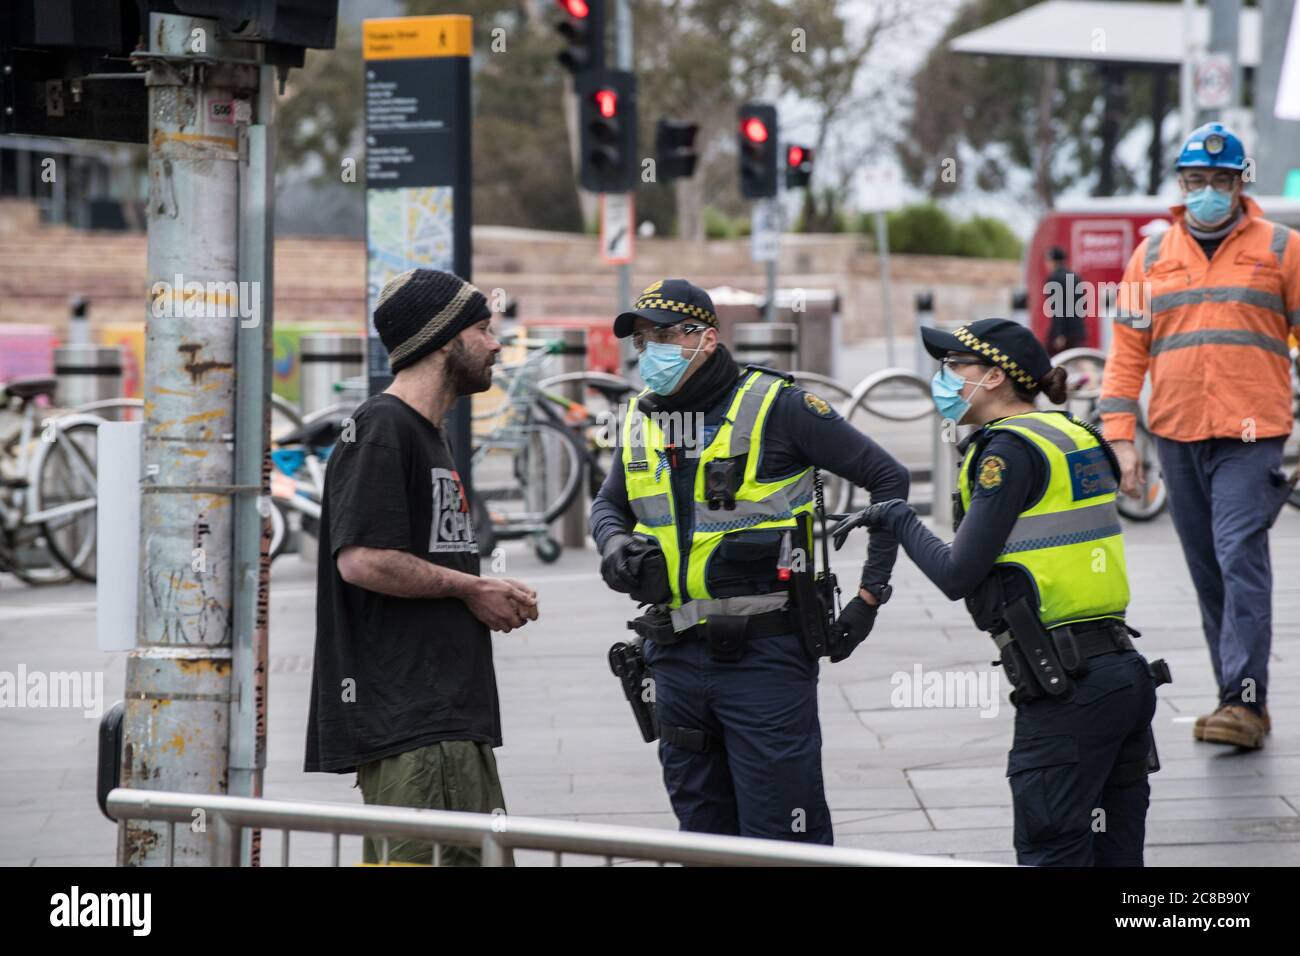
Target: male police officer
<point x="716" y="483"/>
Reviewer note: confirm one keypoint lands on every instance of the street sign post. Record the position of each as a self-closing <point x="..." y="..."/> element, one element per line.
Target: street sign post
<point x="417" y="171"/>
<point x="616" y="232"/>
<point x="882" y="190"/>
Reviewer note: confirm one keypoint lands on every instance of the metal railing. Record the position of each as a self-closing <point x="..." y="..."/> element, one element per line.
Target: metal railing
<point x="496" y="835"/>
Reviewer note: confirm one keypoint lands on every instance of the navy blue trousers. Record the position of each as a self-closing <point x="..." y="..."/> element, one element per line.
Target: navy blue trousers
<point x="1223" y="504"/>
<point x="766" y="778"/>
<point x="1071" y="807"/>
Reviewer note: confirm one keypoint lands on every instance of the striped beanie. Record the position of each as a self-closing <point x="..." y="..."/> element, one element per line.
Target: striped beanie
<point x="421" y="310"/>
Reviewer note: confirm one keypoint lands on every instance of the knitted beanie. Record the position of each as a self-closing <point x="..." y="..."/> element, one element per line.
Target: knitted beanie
<point x="421" y="310"/>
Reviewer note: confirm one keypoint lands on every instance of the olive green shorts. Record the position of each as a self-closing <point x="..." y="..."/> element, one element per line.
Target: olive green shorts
<point x="449" y="775"/>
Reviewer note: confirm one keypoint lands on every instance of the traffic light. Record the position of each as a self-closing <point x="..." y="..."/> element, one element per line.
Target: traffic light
<point x="675" y="149"/>
<point x="583" y="28"/>
<point x="607" y="113"/>
<point x="798" y="166"/>
<point x="758" y="151"/>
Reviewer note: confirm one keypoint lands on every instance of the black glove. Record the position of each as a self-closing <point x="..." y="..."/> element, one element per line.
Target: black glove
<point x="634" y="564"/>
<point x="854" y="624"/>
<point x="874" y="517"/>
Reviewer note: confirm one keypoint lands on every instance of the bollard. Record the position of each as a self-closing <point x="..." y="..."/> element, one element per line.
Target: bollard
<point x="572" y="525"/>
<point x="924" y="320"/>
<point x="772" y="344"/>
<point x="88" y="373"/>
<point x="1020" y="307"/>
<point x="324" y="359"/>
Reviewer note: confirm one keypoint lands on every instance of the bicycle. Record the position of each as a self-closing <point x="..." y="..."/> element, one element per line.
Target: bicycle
<point x="527" y="465"/>
<point x="48" y="486"/>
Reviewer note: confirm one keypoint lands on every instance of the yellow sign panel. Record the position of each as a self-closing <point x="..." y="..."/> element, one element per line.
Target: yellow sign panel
<point x="409" y="38"/>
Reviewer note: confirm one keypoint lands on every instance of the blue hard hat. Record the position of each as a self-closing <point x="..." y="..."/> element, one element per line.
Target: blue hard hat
<point x="1215" y="146"/>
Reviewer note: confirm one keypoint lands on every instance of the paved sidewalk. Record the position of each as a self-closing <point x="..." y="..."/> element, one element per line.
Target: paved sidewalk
<point x="920" y="780"/>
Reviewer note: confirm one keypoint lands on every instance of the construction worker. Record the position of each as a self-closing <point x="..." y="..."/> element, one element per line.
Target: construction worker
<point x="1206" y="308"/>
<point x="703" y="522"/>
<point x="1039" y="558"/>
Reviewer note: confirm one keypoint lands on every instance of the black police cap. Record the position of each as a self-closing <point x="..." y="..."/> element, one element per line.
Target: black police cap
<point x="1001" y="342"/>
<point x="668" y="302"/>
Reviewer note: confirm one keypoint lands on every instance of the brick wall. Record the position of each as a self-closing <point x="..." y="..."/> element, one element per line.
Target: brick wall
<point x="322" y="280"/>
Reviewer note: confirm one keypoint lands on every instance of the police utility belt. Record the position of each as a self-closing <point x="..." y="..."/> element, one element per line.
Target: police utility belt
<point x="1041" y="663"/>
<point x="726" y="634"/>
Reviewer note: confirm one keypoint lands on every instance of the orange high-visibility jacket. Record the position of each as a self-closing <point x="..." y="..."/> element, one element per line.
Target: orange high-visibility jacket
<point x="1212" y="333"/>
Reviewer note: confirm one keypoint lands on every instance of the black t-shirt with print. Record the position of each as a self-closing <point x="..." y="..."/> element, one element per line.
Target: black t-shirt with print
<point x="392" y="674"/>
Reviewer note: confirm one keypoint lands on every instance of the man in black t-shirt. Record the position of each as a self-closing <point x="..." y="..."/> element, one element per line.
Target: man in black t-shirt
<point x="403" y="688"/>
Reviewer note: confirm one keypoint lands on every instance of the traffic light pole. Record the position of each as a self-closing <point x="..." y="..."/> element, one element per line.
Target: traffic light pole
<point x="623" y="54"/>
<point x="177" y="723"/>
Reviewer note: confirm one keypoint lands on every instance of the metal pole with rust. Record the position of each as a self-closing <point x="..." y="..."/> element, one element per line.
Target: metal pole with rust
<point x="176" y="730"/>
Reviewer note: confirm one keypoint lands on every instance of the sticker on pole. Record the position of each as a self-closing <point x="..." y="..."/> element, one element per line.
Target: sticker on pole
<point x="1212" y="81"/>
<point x="765" y="231"/>
<point x="616" y="227"/>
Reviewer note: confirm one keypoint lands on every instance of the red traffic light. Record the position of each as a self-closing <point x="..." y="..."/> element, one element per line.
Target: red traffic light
<point x="754" y="130"/>
<point x="794" y="156"/>
<point x="575" y="8"/>
<point x="606" y="102"/>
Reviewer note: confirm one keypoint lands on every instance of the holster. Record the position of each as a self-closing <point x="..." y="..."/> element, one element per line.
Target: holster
<point x="654" y="625"/>
<point x="629" y="666"/>
<point x="809" y="608"/>
<point x="1029" y="655"/>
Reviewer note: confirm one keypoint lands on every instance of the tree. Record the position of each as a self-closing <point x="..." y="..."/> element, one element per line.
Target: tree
<point x="992" y="115"/>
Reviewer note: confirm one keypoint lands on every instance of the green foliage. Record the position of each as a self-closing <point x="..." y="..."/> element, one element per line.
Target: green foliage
<point x="924" y="229"/>
<point x="718" y="225"/>
<point x="986" y="238"/>
<point x="983" y="114"/>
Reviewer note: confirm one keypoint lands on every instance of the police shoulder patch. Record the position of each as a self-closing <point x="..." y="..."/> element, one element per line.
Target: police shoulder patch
<point x="991" y="471"/>
<point x="817" y="405"/>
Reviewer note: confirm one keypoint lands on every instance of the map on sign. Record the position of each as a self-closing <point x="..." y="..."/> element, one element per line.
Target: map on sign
<point x="407" y="229"/>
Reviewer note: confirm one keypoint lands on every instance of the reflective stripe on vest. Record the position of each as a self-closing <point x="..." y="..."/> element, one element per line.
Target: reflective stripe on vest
<point x="1069" y="541"/>
<point x="760" y="505"/>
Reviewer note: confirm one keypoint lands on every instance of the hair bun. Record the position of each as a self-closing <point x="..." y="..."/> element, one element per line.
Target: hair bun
<point x="1053" y="384"/>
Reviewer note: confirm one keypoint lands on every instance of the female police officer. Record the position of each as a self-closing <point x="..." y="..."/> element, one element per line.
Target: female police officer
<point x="1039" y="558"/>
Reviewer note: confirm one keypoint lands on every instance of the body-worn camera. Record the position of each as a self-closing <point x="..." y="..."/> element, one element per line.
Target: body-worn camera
<point x="722" y="478"/>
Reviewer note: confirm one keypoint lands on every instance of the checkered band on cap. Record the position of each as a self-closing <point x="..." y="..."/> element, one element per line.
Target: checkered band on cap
<point x="996" y="355"/>
<point x="656" y="301"/>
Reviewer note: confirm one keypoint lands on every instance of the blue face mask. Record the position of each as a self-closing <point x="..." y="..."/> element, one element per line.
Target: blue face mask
<point x="662" y="366"/>
<point x="946" y="388"/>
<point x="1208" y="206"/>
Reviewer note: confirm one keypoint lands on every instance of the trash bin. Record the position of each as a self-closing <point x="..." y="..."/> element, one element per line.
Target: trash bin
<point x="326" y="358"/>
<point x="816" y="313"/>
<point x="774" y="344"/>
<point x="87" y="373"/>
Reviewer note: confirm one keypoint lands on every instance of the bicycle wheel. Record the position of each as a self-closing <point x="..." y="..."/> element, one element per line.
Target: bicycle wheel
<point x="894" y="407"/>
<point x="66" y="477"/>
<point x="596" y="404"/>
<point x="526" y="475"/>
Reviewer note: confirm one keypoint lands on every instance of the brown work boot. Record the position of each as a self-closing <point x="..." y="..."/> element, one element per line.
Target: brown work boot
<point x="1235" y="724"/>
<point x="1198" y="729"/>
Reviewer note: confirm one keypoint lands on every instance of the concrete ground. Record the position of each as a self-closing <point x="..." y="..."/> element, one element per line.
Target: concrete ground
<point x="920" y="780"/>
<point x="926" y="780"/>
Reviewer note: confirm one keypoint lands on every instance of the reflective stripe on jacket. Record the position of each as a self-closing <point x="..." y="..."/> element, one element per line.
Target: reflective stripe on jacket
<point x="763" y="508"/>
<point x="1213" y="334"/>
<point x="1069" y="541"/>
